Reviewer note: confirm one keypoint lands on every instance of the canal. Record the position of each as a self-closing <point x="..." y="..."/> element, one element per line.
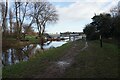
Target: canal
<point x="24" y="53"/>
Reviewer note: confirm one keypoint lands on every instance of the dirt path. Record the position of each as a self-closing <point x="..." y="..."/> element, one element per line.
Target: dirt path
<point x="57" y="69"/>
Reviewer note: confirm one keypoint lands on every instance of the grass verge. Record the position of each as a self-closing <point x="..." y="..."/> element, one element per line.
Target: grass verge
<point x="36" y="65"/>
<point x="96" y="62"/>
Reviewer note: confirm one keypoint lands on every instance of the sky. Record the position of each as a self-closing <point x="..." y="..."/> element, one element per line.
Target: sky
<point x="75" y="14"/>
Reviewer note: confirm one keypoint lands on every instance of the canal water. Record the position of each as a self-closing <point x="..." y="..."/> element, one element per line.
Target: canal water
<point x="15" y="55"/>
<point x="24" y="53"/>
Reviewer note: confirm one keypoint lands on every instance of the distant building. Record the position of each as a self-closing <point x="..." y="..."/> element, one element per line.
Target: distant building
<point x="54" y="35"/>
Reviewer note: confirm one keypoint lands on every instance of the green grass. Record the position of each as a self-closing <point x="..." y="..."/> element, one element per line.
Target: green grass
<point x="0" y="71"/>
<point x="35" y="65"/>
<point x="32" y="39"/>
<point x="9" y="42"/>
<point x="95" y="62"/>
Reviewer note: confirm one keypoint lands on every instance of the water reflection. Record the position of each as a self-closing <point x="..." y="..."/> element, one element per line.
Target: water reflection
<point x="24" y="53"/>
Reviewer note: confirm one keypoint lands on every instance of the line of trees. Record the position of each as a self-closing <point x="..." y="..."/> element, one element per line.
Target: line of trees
<point x="21" y="16"/>
<point x="105" y="24"/>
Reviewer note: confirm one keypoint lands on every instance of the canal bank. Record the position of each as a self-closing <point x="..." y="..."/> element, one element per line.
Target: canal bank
<point x="39" y="62"/>
<point x="90" y="62"/>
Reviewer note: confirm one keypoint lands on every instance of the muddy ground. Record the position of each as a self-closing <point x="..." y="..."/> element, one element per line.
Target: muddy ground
<point x="57" y="69"/>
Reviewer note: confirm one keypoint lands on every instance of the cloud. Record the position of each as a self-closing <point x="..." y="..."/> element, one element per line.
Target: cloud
<point x="78" y="0"/>
<point x="78" y="11"/>
<point x="75" y="16"/>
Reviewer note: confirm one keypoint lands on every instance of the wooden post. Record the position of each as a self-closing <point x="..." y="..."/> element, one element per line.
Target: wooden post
<point x="73" y="38"/>
<point x="69" y="38"/>
<point x="100" y="41"/>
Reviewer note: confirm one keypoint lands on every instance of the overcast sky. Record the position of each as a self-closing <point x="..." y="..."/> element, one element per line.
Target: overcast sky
<point x="75" y="14"/>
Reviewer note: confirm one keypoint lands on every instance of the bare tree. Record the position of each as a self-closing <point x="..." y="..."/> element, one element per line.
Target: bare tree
<point x="27" y="29"/>
<point x="115" y="10"/>
<point x="39" y="13"/>
<point x="30" y="15"/>
<point x="11" y="20"/>
<point x="44" y="13"/>
<point x="4" y="11"/>
<point x="20" y="12"/>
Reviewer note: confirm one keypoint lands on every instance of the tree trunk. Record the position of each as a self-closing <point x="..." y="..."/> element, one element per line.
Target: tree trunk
<point x="4" y="24"/>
